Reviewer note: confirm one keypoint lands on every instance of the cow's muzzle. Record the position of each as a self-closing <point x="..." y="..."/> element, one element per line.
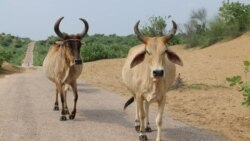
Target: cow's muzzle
<point x="158" y="73"/>
<point x="78" y="61"/>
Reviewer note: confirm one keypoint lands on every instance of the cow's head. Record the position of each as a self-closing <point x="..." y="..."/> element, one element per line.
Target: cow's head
<point x="155" y="52"/>
<point x="73" y="42"/>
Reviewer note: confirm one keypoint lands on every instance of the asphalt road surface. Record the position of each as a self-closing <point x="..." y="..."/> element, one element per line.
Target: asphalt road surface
<point x="26" y="113"/>
<point x="28" y="59"/>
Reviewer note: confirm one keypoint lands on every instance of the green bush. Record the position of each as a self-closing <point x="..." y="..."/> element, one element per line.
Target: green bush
<point x="13" y="48"/>
<point x="95" y="47"/>
<point x="156" y="26"/>
<point x="236" y="13"/>
<point x="39" y="52"/>
<point x="99" y="51"/>
<point x="5" y="55"/>
<point x="244" y="86"/>
<point x="232" y="21"/>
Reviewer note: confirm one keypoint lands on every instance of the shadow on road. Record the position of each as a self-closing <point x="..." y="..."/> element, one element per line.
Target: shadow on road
<point x="87" y="89"/>
<point x="106" y="116"/>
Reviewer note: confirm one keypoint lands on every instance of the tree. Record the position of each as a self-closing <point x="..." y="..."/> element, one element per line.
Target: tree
<point x="197" y="23"/>
<point x="156" y="26"/>
<point x="236" y="13"/>
<point x="196" y="27"/>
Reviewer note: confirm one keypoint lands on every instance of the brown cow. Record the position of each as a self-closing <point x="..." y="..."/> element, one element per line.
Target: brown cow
<point x="63" y="65"/>
<point x="148" y="73"/>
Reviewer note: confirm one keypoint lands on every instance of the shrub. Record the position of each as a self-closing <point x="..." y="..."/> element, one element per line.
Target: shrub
<point x="13" y="48"/>
<point x="95" y="47"/>
<point x="232" y="21"/>
<point x="100" y="46"/>
<point x="236" y="13"/>
<point x="5" y="55"/>
<point x="40" y="52"/>
<point x="244" y="86"/>
<point x="99" y="51"/>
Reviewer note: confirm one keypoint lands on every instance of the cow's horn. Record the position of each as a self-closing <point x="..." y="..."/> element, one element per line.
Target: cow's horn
<point x="138" y="34"/>
<point x="85" y="31"/>
<point x="172" y="32"/>
<point x="57" y="30"/>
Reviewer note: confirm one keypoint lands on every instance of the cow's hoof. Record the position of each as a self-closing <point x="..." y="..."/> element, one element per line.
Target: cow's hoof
<point x="137" y="128"/>
<point x="56" y="108"/>
<point x="72" y="116"/>
<point x="63" y="118"/>
<point x="148" y="129"/>
<point x="67" y="112"/>
<point x="143" y="138"/>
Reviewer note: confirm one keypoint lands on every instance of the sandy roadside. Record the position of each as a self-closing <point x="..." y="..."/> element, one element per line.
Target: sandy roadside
<point x="216" y="108"/>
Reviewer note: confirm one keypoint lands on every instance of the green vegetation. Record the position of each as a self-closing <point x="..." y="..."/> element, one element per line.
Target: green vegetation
<point x="232" y="20"/>
<point x="156" y="26"/>
<point x="41" y="49"/>
<point x="244" y="86"/>
<point x="95" y="47"/>
<point x="100" y="46"/>
<point x="12" y="49"/>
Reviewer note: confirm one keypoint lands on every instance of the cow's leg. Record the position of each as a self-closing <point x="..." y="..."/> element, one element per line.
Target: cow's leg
<point x="74" y="88"/>
<point x="148" y="128"/>
<point x="61" y="92"/>
<point x="65" y="101"/>
<point x="139" y="101"/>
<point x="56" y="106"/>
<point x="137" y="124"/>
<point x="161" y="106"/>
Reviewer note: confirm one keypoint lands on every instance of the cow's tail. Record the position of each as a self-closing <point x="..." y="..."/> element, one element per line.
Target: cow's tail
<point x="131" y="100"/>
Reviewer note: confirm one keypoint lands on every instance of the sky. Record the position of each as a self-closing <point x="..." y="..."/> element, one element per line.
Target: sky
<point x="35" y="18"/>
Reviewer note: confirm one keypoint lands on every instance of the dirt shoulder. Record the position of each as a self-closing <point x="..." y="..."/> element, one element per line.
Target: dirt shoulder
<point x="8" y="68"/>
<point x="215" y="108"/>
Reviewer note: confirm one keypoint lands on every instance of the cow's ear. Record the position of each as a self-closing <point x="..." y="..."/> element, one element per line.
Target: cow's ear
<point x="173" y="57"/>
<point x="139" y="57"/>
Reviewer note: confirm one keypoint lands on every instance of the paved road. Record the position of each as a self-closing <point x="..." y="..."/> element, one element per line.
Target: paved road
<point x="26" y="115"/>
<point x="28" y="59"/>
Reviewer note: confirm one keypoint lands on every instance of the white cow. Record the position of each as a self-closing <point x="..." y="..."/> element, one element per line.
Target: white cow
<point x="148" y="73"/>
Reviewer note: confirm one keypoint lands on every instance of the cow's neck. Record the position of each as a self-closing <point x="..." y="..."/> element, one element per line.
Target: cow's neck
<point x="67" y="55"/>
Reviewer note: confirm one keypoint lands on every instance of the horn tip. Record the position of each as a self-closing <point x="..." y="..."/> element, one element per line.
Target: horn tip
<point x="81" y="19"/>
<point x="136" y="24"/>
<point x="174" y="23"/>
